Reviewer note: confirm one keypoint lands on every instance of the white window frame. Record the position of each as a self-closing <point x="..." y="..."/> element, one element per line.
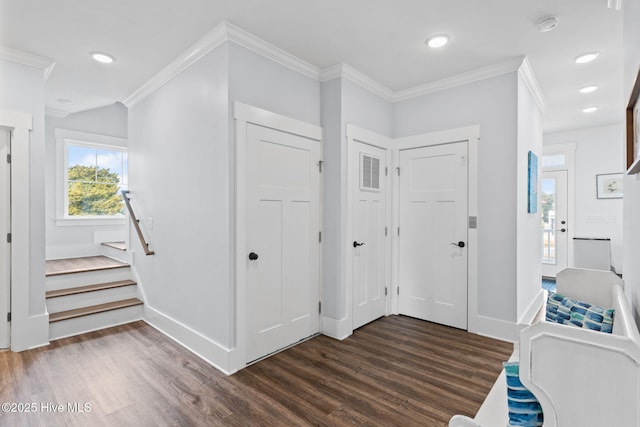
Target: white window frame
<point x="64" y="138"/>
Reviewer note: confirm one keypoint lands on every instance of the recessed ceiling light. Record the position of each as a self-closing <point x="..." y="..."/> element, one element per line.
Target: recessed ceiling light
<point x="64" y="101"/>
<point x="589" y="89"/>
<point x="438" y="40"/>
<point x="589" y="109"/>
<point x="586" y="57"/>
<point x="102" y="57"/>
<point x="547" y="24"/>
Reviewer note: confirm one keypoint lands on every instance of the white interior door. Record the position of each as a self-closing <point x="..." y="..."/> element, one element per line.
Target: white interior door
<point x="283" y="225"/>
<point x="369" y="232"/>
<point x="5" y="228"/>
<point x="433" y="233"/>
<point x="555" y="227"/>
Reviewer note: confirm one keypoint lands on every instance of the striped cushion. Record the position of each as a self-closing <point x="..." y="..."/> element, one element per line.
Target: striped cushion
<point x="568" y="311"/>
<point x="524" y="408"/>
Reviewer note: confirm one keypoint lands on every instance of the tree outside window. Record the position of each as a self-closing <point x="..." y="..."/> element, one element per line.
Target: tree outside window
<point x="95" y="177"/>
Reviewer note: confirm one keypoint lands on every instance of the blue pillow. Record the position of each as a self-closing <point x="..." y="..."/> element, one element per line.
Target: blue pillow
<point x="568" y="311"/>
<point x="524" y="408"/>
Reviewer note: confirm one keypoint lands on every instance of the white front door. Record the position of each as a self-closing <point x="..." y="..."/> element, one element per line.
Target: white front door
<point x="5" y="228"/>
<point x="555" y="227"/>
<point x="433" y="233"/>
<point x="283" y="225"/>
<point x="369" y="225"/>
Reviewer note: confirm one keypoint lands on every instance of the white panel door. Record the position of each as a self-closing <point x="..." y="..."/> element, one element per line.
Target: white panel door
<point x="369" y="245"/>
<point x="433" y="234"/>
<point x="283" y="222"/>
<point x="554" y="201"/>
<point x="5" y="227"/>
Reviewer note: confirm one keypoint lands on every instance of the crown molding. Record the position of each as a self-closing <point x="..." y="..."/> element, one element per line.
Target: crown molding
<point x="226" y="31"/>
<point x="459" y="80"/>
<point x="266" y="49"/>
<point x="190" y="56"/>
<point x="59" y="114"/>
<point x="528" y="76"/>
<point x="347" y="72"/>
<point x="28" y="59"/>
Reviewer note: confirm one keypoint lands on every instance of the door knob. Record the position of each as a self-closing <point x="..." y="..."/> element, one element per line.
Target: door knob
<point x="460" y="244"/>
<point x="356" y="244"/>
<point x="253" y="256"/>
<point x="563" y="230"/>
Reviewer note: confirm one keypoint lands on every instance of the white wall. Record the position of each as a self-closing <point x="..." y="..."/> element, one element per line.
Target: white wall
<point x="179" y="175"/>
<point x="262" y="83"/>
<point x="599" y="150"/>
<point x="492" y="104"/>
<point x="77" y="240"/>
<point x="631" y="245"/>
<point x="22" y="89"/>
<point x="528" y="225"/>
<point x="334" y="154"/>
<point x="343" y="102"/>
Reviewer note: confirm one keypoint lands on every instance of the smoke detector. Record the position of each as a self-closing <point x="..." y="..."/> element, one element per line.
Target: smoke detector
<point x="547" y="24"/>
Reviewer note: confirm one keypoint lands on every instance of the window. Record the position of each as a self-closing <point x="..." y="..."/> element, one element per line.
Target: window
<point x="92" y="170"/>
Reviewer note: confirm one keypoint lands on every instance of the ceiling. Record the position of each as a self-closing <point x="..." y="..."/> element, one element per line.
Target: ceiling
<point x="384" y="39"/>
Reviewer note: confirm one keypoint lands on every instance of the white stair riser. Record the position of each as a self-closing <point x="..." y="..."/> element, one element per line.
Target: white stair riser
<point x="70" y="302"/>
<point x="94" y="322"/>
<point x="65" y="281"/>
<point x="115" y="253"/>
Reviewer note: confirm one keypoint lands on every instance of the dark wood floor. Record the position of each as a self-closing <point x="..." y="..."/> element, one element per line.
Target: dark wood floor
<point x="396" y="371"/>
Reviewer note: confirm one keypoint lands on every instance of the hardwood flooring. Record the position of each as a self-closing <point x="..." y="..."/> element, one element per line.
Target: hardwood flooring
<point x="57" y="267"/>
<point x="397" y="371"/>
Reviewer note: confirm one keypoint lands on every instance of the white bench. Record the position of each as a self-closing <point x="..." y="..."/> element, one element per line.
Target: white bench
<point x="581" y="377"/>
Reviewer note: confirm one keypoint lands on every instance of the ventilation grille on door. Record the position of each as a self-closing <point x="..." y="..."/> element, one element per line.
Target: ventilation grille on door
<point x="369" y="172"/>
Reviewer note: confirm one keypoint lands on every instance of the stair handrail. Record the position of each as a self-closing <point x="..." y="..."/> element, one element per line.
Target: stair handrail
<point x="136" y="223"/>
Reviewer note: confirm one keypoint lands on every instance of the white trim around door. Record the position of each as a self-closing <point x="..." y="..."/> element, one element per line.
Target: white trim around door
<point x="245" y="116"/>
<point x="471" y="134"/>
<point x="28" y="329"/>
<point x="355" y="136"/>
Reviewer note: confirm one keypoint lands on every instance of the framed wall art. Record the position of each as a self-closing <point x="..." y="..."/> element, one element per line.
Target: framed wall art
<point x="609" y="186"/>
<point x="633" y="129"/>
<point x="532" y="185"/>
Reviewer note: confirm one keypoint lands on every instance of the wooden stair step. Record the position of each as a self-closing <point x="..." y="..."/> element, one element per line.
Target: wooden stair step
<point x="58" y="267"/>
<point x="89" y="288"/>
<point x="94" y="309"/>
<point x="121" y="246"/>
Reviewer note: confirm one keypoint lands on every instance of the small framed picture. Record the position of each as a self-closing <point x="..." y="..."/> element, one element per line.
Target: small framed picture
<point x="609" y="186"/>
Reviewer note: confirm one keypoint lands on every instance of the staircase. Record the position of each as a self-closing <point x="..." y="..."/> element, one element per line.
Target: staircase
<point x="90" y="293"/>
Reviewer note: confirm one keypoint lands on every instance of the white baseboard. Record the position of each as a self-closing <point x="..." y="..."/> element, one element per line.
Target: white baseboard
<point x="496" y="328"/>
<point x="205" y="348"/>
<point x="336" y="328"/>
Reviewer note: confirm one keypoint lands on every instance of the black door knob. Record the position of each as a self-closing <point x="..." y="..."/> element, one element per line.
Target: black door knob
<point x="253" y="256"/>
<point x="563" y="230"/>
<point x="356" y="244"/>
<point x="460" y="244"/>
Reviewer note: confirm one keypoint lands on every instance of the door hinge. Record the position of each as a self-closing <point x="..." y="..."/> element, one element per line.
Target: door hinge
<point x="398" y="170"/>
<point x="386" y="231"/>
<point x="398" y="231"/>
<point x="8" y="237"/>
<point x="320" y="162"/>
<point x="9" y="317"/>
<point x="8" y="158"/>
<point x="319" y="307"/>
<point x="319" y="236"/>
<point x="385" y="291"/>
<point x="386" y="171"/>
<point x="398" y="292"/>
